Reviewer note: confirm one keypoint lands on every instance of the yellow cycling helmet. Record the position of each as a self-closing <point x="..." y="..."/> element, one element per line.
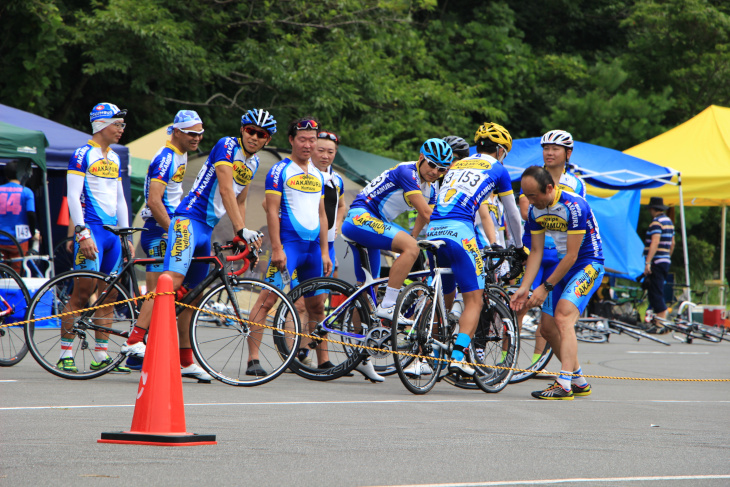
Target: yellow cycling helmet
<point x="495" y="133"/>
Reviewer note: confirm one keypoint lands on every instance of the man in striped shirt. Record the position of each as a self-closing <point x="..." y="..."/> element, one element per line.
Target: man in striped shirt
<point x="658" y="248"/>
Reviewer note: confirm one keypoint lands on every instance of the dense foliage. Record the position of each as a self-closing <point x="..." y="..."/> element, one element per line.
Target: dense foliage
<point x="385" y="74"/>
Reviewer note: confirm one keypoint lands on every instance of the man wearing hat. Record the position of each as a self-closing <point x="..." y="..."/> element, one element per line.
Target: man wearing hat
<point x="658" y="248"/>
<point x="95" y="199"/>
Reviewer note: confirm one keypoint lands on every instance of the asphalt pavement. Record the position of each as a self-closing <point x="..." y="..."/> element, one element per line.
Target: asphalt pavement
<point x="350" y="432"/>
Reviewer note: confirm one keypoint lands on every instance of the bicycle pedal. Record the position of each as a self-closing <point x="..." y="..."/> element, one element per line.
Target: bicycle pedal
<point x="202" y="381"/>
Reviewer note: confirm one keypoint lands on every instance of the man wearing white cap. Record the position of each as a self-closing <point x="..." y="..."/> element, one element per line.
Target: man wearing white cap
<point x="95" y="199"/>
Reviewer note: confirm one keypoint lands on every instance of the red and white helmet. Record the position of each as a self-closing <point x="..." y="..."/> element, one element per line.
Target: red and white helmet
<point x="557" y="137"/>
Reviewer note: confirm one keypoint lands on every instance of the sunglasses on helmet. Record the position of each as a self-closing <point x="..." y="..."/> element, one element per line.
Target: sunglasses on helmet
<point x="307" y="125"/>
<point x="328" y="135"/>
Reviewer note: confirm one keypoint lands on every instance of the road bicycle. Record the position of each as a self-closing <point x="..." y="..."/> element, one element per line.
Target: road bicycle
<point x="424" y="329"/>
<point x="220" y="342"/>
<point x="14" y="299"/>
<point x="350" y="320"/>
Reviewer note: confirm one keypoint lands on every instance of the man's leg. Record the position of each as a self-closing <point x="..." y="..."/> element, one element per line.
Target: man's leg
<point x="407" y="247"/>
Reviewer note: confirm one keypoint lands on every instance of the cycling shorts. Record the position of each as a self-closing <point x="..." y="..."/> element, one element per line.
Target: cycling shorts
<point x="578" y="285"/>
<point x="295" y="277"/>
<point x="461" y="253"/>
<point x="154" y="243"/>
<point x="187" y="238"/>
<point x="108" y="260"/>
<point x="372" y="233"/>
<point x="550" y="260"/>
<point x="303" y="259"/>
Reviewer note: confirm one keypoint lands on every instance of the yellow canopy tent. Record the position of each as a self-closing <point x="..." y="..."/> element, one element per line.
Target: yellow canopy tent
<point x="700" y="150"/>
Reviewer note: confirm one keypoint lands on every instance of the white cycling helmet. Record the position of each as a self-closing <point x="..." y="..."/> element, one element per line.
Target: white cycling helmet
<point x="558" y="137"/>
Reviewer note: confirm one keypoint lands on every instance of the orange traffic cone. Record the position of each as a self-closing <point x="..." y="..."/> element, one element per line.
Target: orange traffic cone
<point x="63" y="213"/>
<point x="159" y="413"/>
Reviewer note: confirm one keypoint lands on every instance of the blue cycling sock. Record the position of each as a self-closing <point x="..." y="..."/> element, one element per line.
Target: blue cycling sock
<point x="462" y="340"/>
<point x="578" y="378"/>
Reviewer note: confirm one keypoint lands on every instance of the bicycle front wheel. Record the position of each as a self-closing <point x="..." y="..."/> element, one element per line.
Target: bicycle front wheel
<point x="231" y="328"/>
<point x="14" y="299"/>
<point x="531" y="359"/>
<point x="495" y="345"/>
<point x="85" y="338"/>
<point x="417" y="328"/>
<point x="328" y="360"/>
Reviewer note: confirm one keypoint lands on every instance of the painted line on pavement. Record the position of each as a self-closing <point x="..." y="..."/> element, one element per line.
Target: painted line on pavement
<point x="573" y="481"/>
<point x="324" y="403"/>
<point x="667" y="353"/>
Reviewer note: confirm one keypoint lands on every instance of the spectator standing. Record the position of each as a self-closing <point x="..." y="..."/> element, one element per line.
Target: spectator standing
<point x="658" y="248"/>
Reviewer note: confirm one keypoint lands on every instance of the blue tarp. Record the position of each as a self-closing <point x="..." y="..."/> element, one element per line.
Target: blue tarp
<point x="617" y="218"/>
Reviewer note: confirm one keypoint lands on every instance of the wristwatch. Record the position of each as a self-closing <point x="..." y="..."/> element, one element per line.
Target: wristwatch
<point x="548" y="287"/>
<point x="79" y="228"/>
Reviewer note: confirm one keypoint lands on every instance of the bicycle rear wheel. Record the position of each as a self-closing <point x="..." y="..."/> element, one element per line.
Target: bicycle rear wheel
<point x="224" y="345"/>
<point x="418" y="326"/>
<point x="495" y="345"/>
<point x="354" y="319"/>
<point x="88" y="332"/>
<point x="14" y="299"/>
<point x="530" y="359"/>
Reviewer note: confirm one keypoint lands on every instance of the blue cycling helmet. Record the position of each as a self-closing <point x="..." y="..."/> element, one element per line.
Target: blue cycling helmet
<point x="438" y="151"/>
<point x="259" y="117"/>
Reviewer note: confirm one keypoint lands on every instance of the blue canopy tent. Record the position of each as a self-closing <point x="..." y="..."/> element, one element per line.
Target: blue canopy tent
<point x="63" y="141"/>
<point x="608" y="169"/>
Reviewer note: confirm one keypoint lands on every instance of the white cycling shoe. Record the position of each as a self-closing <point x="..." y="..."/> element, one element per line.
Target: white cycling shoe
<point x="195" y="371"/>
<point x="367" y="369"/>
<point x="134" y="350"/>
<point x="461" y="368"/>
<point x="387" y="314"/>
<point x="418" y="368"/>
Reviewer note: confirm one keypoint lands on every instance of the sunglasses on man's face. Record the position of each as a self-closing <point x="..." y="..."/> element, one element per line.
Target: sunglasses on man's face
<point x="261" y="134"/>
<point x="330" y="136"/>
<point x="192" y="133"/>
<point x="433" y="165"/>
<point x="307" y="125"/>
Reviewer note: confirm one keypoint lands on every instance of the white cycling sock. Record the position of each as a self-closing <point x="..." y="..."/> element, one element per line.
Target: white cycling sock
<point x="391" y="294"/>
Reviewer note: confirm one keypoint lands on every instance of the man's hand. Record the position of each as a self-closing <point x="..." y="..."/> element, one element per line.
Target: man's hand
<point x="519" y="298"/>
<point x="538" y="297"/>
<point x="88" y="248"/>
<point x="326" y="264"/>
<point x="278" y="258"/>
<point x="647" y="269"/>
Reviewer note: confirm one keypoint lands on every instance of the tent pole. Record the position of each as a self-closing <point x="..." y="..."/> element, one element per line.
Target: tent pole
<point x="722" y="256"/>
<point x="684" y="239"/>
<point x="49" y="237"/>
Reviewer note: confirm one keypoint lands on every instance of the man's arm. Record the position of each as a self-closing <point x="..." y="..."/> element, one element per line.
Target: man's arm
<point x="489" y="231"/>
<point x="75" y="184"/>
<point x="341" y="214"/>
<point x="323" y="243"/>
<point x="524" y="207"/>
<point x="273" y="204"/>
<point x="123" y="213"/>
<point x="512" y="218"/>
<point x="155" y="204"/>
<point x="653" y="247"/>
<point x="224" y="172"/>
<point x="424" y="212"/>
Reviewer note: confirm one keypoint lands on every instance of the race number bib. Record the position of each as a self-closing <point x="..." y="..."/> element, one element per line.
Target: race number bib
<point x="22" y="232"/>
<point x="464" y="181"/>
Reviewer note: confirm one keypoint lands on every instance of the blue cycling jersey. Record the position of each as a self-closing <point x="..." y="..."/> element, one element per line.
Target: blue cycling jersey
<point x="568" y="214"/>
<point x="204" y="203"/>
<point x="387" y="196"/>
<point x="300" y="193"/>
<point x="467" y="184"/>
<point x="101" y="176"/>
<point x="15" y="201"/>
<point x="168" y="168"/>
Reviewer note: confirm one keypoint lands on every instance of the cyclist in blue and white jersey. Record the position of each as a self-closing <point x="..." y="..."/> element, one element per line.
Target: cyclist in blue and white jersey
<point x="220" y="188"/>
<point x="163" y="186"/>
<point x="466" y="186"/>
<point x="96" y="198"/>
<point x="565" y="293"/>
<point x="297" y="224"/>
<point x="370" y="219"/>
<point x="557" y="147"/>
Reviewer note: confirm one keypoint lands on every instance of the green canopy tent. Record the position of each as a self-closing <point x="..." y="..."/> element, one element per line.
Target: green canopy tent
<point x="360" y="166"/>
<point x="17" y="142"/>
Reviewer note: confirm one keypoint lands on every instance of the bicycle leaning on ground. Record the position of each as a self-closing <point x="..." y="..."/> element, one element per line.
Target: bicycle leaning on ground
<point x="424" y="330"/>
<point x="108" y="313"/>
